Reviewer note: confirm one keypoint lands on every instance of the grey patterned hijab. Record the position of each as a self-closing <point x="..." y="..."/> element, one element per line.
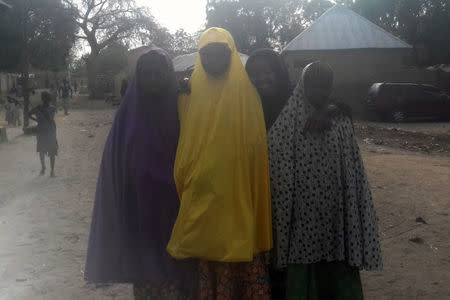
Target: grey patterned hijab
<point x="321" y="200"/>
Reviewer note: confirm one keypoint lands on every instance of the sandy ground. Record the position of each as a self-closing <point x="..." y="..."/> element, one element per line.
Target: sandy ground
<point x="44" y="222"/>
<point x="424" y="127"/>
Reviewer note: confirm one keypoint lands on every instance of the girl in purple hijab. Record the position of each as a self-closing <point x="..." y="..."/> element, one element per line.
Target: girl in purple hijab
<point x="136" y="202"/>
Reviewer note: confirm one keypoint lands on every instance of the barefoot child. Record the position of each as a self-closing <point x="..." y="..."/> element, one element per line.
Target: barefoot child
<point x="46" y="131"/>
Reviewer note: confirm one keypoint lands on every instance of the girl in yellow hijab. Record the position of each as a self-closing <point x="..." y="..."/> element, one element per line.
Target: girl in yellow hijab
<point x="222" y="175"/>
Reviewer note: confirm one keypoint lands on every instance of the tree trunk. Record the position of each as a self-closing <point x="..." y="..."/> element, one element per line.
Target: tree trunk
<point x="91" y="74"/>
<point x="26" y="98"/>
<point x="25" y="66"/>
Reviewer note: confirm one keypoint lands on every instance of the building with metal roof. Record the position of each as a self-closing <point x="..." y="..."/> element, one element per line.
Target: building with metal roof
<point x="340" y="28"/>
<point x="359" y="51"/>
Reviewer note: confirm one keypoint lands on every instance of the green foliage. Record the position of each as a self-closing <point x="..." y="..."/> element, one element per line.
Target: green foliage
<point x="260" y="23"/>
<point x="423" y="23"/>
<point x="183" y="42"/>
<point x="244" y="19"/>
<point x="103" y="23"/>
<point x="78" y="66"/>
<point x="40" y="33"/>
<point x="10" y="39"/>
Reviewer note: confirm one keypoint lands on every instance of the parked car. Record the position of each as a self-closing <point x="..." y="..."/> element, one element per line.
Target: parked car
<point x="407" y="101"/>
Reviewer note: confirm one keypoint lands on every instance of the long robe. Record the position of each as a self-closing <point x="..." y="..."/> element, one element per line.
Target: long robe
<point x="136" y="202"/>
<point x="221" y="167"/>
<point x="322" y="203"/>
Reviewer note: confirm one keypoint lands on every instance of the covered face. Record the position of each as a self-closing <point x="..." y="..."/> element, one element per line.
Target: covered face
<point x="152" y="74"/>
<point x="317" y="78"/>
<point x="263" y="77"/>
<point x="268" y="73"/>
<point x="215" y="59"/>
<point x="221" y="167"/>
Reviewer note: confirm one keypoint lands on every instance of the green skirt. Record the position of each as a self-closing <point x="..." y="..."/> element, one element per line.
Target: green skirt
<point x="323" y="281"/>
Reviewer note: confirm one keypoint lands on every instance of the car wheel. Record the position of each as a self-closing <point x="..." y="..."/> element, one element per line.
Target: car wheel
<point x="398" y="116"/>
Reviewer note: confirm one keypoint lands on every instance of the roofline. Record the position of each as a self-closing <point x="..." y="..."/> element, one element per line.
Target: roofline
<point x="345" y="49"/>
<point x="138" y="48"/>
<point x="407" y="46"/>
<point x="379" y="28"/>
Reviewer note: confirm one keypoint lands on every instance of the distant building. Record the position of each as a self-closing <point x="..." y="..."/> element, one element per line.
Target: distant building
<point x="7" y="82"/>
<point x="359" y="52"/>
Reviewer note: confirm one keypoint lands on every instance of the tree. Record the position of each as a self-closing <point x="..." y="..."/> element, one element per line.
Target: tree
<point x="259" y="23"/>
<point x="244" y="19"/>
<point x="264" y="23"/>
<point x="112" y="59"/>
<point x="422" y="23"/>
<point x="183" y="42"/>
<point x="102" y="23"/>
<point x="38" y="34"/>
<point x="78" y="66"/>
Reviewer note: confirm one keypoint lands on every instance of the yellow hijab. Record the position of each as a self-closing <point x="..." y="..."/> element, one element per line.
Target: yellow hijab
<point x="221" y="167"/>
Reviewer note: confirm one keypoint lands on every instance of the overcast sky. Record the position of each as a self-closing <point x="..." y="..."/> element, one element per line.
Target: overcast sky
<point x="174" y="14"/>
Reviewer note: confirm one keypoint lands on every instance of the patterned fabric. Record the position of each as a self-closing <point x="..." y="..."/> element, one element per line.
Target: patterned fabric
<point x="148" y="291"/>
<point x="322" y="204"/>
<point x="324" y="281"/>
<point x="234" y="281"/>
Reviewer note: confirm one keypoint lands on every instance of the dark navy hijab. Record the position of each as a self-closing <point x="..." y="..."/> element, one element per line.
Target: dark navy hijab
<point x="136" y="202"/>
<point x="273" y="106"/>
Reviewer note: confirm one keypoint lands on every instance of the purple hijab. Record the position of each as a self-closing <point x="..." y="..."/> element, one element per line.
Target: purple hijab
<point x="136" y="203"/>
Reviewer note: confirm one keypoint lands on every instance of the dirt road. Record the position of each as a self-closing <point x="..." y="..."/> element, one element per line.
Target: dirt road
<point x="44" y="222"/>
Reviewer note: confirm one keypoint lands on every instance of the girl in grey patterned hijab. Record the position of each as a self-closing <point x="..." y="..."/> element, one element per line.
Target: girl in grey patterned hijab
<point x="325" y="226"/>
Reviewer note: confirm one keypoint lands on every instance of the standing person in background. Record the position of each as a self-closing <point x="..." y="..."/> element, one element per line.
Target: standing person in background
<point x="136" y="202"/>
<point x="17" y="113"/>
<point x="75" y="86"/>
<point x="58" y="87"/>
<point x="66" y="91"/>
<point x="13" y="112"/>
<point x="14" y="91"/>
<point x="123" y="87"/>
<point x="222" y="176"/>
<point x="9" y="111"/>
<point x="54" y="94"/>
<point x="46" y="132"/>
<point x="324" y="218"/>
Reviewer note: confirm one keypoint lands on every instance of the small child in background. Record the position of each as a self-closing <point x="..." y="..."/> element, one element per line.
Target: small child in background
<point x="46" y="131"/>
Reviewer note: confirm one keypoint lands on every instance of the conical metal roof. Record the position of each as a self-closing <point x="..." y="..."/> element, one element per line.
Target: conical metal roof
<point x="342" y="28"/>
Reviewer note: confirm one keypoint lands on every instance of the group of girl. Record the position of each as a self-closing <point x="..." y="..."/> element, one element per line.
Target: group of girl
<point x="240" y="188"/>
